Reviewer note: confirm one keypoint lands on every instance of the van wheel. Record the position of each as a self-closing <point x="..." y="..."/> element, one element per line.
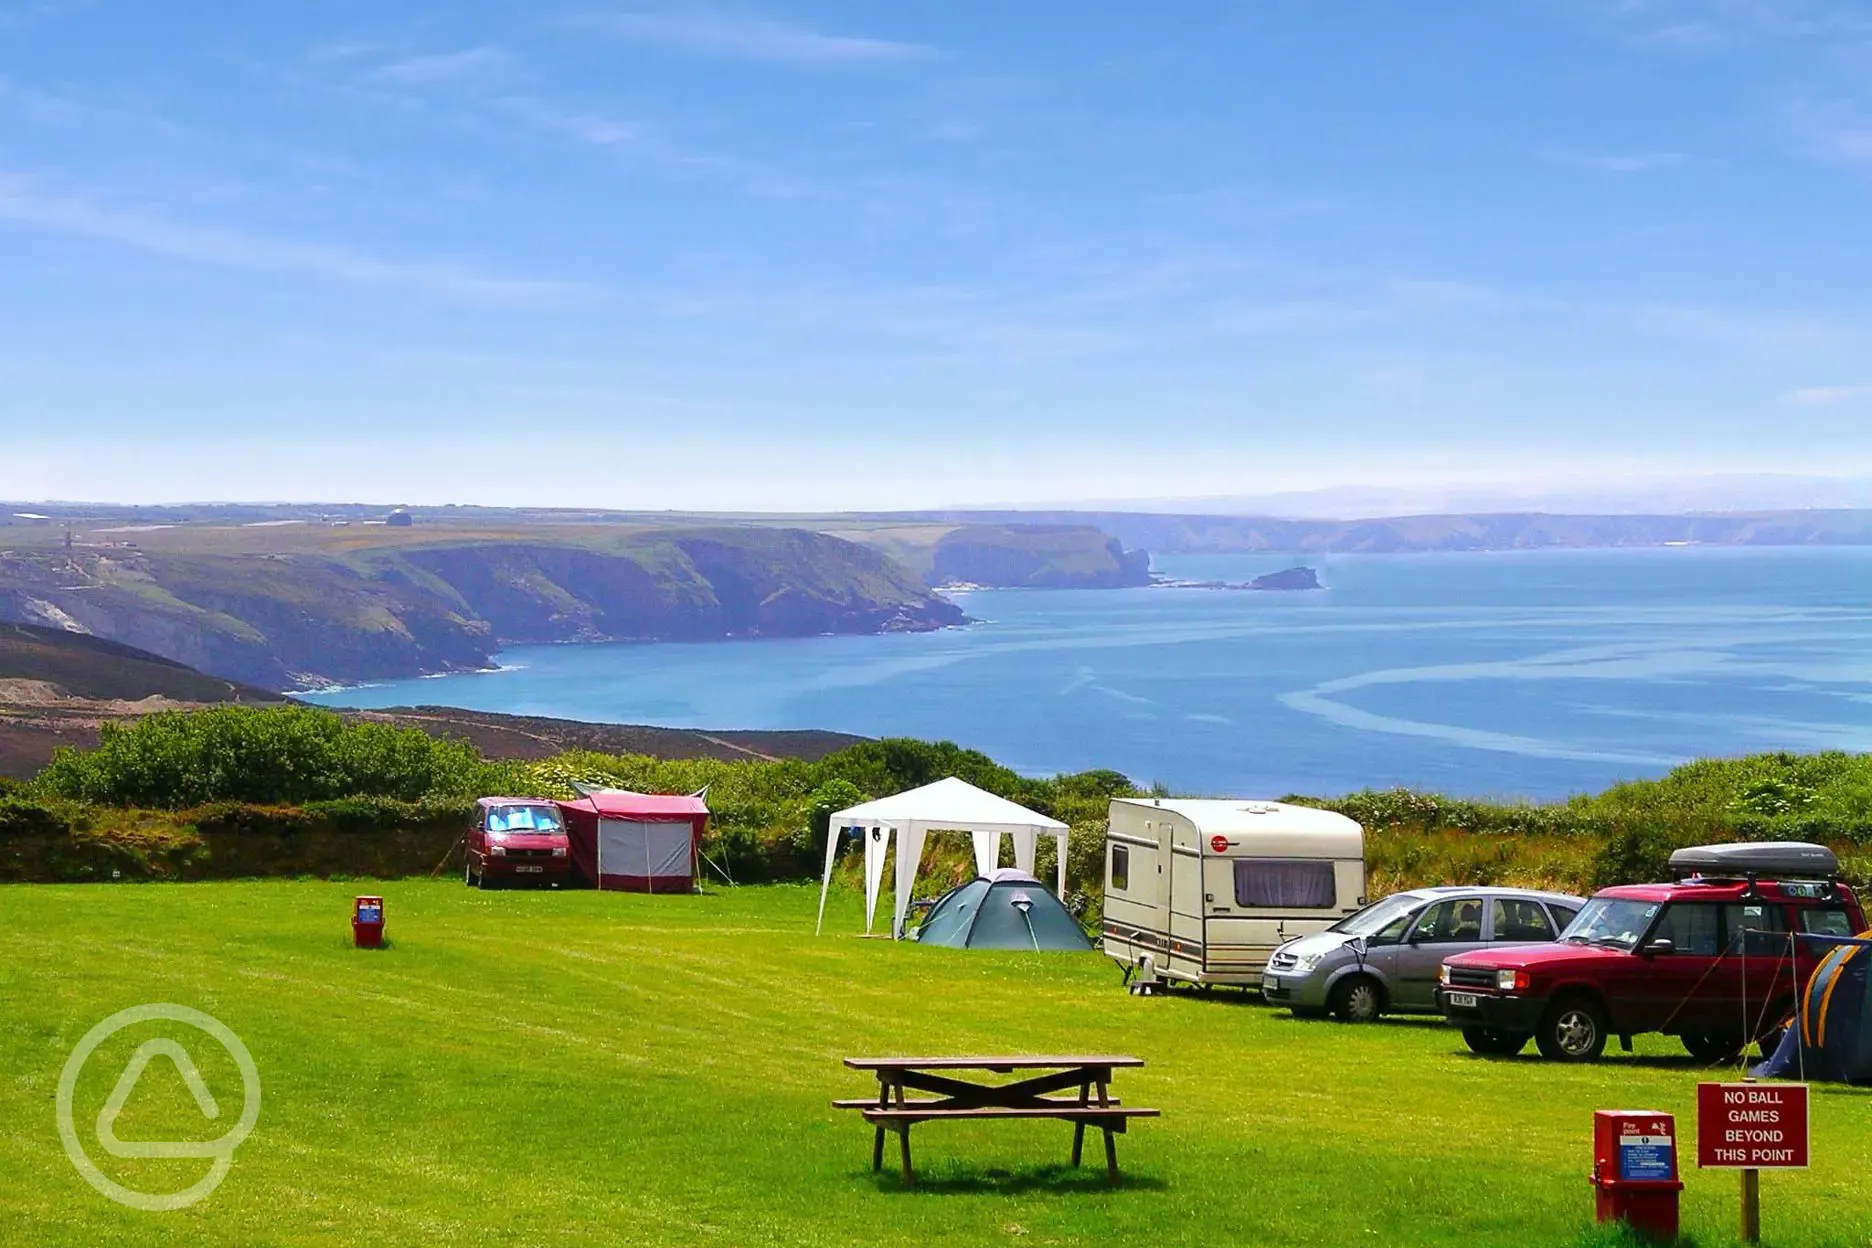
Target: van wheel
<point x="1494" y="1042"/>
<point x="1356" y="999"/>
<point x="1713" y="1049"/>
<point x="1572" y="1030"/>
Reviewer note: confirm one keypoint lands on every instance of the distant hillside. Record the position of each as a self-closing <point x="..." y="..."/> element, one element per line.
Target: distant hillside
<point x="358" y="604"/>
<point x="80" y="666"/>
<point x="57" y="688"/>
<point x="1193" y="534"/>
<point x="531" y="738"/>
<point x="1038" y="556"/>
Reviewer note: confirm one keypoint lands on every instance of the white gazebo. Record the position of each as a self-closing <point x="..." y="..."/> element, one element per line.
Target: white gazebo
<point x="949" y="805"/>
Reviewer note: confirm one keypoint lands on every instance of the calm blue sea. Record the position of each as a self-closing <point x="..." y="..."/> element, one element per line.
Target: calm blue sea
<point x="1528" y="673"/>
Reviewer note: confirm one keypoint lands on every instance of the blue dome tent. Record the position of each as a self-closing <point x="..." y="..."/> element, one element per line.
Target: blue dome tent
<point x="1831" y="1039"/>
<point x="1006" y="910"/>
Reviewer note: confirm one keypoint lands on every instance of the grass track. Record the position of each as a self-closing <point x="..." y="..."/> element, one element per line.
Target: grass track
<point x="546" y="1069"/>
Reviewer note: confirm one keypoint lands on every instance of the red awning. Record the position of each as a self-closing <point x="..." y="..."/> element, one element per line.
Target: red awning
<point x="618" y="804"/>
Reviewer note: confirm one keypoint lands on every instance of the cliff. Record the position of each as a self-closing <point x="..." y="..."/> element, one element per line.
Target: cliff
<point x="311" y="616"/>
<point x="1037" y="556"/>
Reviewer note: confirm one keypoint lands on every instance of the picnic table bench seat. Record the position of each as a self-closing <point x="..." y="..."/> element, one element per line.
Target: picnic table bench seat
<point x="1032" y="1097"/>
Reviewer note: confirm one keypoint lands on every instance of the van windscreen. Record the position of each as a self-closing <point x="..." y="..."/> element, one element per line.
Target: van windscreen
<point x="1284" y="883"/>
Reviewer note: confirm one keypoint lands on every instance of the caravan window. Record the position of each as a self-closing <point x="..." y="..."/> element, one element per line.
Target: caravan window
<point x="1285" y="883"/>
<point x="1121" y="867"/>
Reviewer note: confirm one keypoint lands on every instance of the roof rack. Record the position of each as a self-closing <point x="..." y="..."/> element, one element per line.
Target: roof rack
<point x="1752" y="861"/>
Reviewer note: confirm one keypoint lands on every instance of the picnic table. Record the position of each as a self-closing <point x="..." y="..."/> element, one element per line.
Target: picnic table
<point x="1087" y="1080"/>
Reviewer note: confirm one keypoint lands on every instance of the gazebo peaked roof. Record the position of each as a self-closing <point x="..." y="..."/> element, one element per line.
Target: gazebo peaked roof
<point x="948" y="805"/>
<point x="952" y="804"/>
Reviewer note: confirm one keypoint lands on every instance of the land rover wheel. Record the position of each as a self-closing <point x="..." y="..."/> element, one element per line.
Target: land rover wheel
<point x="1356" y="999"/>
<point x="1494" y="1042"/>
<point x="1714" y="1050"/>
<point x="1572" y="1030"/>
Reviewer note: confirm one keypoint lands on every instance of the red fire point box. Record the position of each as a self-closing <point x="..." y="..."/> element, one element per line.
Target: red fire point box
<point x="367" y="923"/>
<point x="1752" y="1126"/>
<point x="1634" y="1172"/>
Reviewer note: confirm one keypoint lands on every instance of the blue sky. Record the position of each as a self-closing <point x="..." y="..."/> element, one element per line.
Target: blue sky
<point x="808" y="255"/>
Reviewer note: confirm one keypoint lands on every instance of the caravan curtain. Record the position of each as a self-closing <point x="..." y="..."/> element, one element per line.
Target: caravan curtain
<point x="1284" y="883"/>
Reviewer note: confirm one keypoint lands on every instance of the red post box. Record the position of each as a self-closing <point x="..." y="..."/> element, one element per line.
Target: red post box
<point x="1634" y="1172"/>
<point x="367" y="923"/>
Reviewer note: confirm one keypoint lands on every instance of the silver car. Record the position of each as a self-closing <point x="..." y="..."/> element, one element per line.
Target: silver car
<point x="1384" y="958"/>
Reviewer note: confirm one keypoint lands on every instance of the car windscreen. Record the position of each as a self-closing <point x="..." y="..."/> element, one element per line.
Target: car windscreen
<point x="1377" y="916"/>
<point x="523" y="819"/>
<point x="1611" y="921"/>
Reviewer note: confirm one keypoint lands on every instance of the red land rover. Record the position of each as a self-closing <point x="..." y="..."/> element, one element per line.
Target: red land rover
<point x="1711" y="958"/>
<point x="515" y="840"/>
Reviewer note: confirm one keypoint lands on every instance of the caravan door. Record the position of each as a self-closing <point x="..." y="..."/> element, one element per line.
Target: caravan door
<point x="1187" y="905"/>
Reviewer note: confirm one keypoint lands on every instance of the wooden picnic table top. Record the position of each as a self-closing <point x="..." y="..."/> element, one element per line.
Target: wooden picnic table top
<point x="1017" y="1062"/>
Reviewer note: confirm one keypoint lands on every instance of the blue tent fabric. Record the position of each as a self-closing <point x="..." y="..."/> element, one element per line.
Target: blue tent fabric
<point x="1007" y="910"/>
<point x="1831" y="1040"/>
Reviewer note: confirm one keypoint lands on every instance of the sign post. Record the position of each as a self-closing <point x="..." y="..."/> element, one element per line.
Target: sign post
<point x="1752" y="1127"/>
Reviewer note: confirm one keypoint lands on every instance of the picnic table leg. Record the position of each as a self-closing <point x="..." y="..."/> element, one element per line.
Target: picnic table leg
<point x="1111" y="1158"/>
<point x="903" y="1134"/>
<point x="877" y="1140"/>
<point x="1085" y="1091"/>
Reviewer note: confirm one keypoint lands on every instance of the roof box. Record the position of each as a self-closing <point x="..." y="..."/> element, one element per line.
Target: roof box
<point x="1761" y="859"/>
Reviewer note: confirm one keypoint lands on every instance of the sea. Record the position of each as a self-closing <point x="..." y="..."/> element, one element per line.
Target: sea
<point x="1531" y="674"/>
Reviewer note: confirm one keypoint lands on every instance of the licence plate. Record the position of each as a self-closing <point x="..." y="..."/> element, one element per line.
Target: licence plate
<point x="534" y="868"/>
<point x="1461" y="1000"/>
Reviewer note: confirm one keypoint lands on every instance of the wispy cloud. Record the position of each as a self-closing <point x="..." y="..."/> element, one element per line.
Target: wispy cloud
<point x="26" y="201"/>
<point x="440" y="67"/>
<point x="1827" y="396"/>
<point x="1622" y="162"/>
<point x="1764" y="333"/>
<point x="749" y="38"/>
<point x="1721" y="25"/>
<point x="1837" y="131"/>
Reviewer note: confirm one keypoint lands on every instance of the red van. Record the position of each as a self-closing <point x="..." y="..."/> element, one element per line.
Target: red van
<point x="1713" y="958"/>
<point x="515" y="840"/>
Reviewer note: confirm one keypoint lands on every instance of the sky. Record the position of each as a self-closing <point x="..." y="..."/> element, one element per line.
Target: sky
<point x="792" y="256"/>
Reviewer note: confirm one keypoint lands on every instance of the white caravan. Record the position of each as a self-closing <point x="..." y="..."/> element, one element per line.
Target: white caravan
<point x="1202" y="891"/>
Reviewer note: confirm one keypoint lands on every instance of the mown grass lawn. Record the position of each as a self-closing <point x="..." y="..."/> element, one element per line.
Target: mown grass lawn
<point x="525" y="1068"/>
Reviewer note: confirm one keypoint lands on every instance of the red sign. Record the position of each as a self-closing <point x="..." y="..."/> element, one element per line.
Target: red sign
<point x="1219" y="844"/>
<point x="1752" y="1126"/>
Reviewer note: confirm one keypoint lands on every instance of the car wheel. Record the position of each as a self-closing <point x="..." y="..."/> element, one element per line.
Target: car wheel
<point x="468" y="871"/>
<point x="1494" y="1042"/>
<point x="1712" y="1049"/>
<point x="1357" y="999"/>
<point x="1572" y="1030"/>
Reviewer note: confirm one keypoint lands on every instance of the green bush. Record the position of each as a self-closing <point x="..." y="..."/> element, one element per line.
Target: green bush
<point x="273" y="755"/>
<point x="21" y="816"/>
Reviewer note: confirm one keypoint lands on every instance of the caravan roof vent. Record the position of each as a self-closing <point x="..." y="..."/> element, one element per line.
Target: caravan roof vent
<point x="1758" y="860"/>
<point x="1261" y="808"/>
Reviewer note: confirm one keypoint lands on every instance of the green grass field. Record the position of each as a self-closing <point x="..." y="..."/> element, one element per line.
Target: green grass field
<point x="577" y="1069"/>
